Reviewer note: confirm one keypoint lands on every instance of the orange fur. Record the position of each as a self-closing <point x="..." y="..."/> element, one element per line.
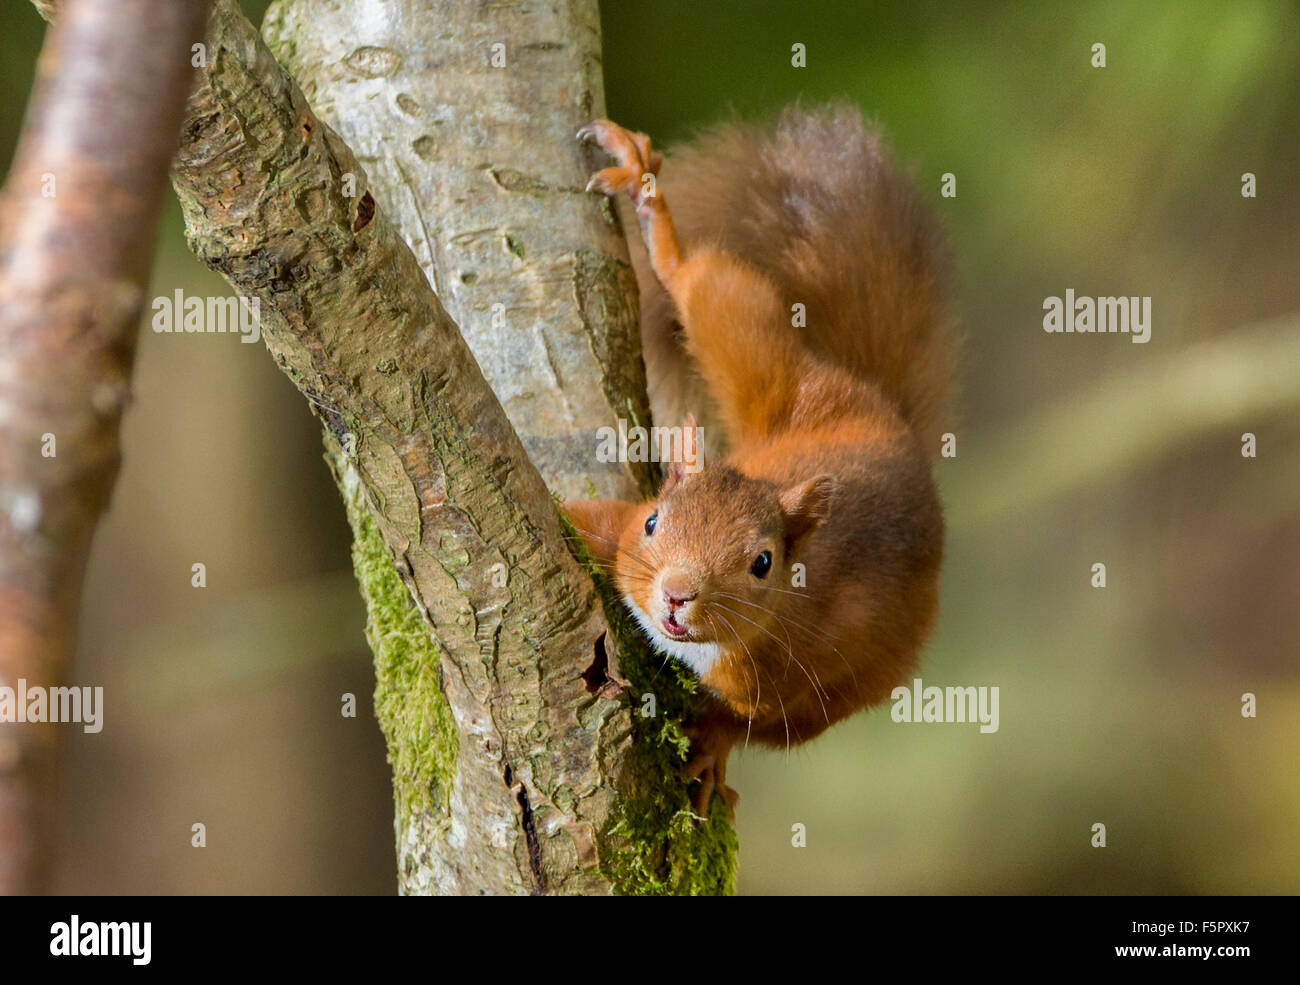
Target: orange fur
<point x="798" y="576"/>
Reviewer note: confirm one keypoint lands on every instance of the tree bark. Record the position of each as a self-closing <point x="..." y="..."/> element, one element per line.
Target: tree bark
<point x="504" y="685"/>
<point x="464" y="115"/>
<point x="77" y="224"/>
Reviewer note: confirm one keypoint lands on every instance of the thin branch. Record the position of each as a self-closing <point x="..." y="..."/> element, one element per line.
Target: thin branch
<point x="77" y="222"/>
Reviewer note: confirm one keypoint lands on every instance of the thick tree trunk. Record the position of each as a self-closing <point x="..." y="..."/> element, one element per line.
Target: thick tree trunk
<point x="77" y="224"/>
<point x="464" y="116"/>
<point x="519" y="765"/>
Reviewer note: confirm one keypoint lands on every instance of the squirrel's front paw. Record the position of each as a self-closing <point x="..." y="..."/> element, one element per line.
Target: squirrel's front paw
<point x="631" y="150"/>
<point x="708" y="769"/>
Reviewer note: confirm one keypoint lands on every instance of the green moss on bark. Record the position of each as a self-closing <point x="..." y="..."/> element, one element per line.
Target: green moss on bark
<point x="417" y="722"/>
<point x="653" y="844"/>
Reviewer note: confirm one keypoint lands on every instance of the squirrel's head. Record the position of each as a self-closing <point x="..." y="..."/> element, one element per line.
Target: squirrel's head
<point x="708" y="562"/>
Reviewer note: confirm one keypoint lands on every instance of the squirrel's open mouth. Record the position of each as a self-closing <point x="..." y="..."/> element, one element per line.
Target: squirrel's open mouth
<point x="675" y="629"/>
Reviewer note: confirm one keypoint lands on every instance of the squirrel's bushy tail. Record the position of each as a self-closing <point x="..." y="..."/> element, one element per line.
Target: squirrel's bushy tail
<point x="815" y="203"/>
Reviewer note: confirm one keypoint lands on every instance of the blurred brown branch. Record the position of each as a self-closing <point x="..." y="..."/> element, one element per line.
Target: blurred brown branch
<point x="77" y="223"/>
<point x="1235" y="379"/>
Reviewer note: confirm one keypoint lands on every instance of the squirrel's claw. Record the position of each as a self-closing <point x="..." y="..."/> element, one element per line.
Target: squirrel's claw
<point x="708" y="768"/>
<point x="631" y="151"/>
<point x="700" y="771"/>
<point x="611" y="181"/>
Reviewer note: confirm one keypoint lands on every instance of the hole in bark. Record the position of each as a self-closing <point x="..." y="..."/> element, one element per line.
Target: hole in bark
<point x="365" y="212"/>
<point x="597" y="675"/>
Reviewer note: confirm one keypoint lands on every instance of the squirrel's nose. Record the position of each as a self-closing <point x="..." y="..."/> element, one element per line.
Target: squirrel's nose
<point x="679" y="587"/>
<point x="676" y="598"/>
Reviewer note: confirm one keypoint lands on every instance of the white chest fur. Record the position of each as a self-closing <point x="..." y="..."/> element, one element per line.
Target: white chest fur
<point x="699" y="657"/>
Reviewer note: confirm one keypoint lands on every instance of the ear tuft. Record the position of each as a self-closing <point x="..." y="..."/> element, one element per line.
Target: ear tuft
<point x="687" y="457"/>
<point x="806" y="505"/>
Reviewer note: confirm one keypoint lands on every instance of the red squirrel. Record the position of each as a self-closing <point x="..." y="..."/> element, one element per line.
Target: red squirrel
<point x="802" y="312"/>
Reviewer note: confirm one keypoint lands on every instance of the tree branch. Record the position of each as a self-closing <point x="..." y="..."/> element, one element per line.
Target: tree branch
<point x="513" y="771"/>
<point x="465" y="116"/>
<point x="77" y="222"/>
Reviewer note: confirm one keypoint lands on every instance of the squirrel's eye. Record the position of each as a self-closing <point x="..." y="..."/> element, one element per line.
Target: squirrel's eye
<point x="650" y="522"/>
<point x="762" y="565"/>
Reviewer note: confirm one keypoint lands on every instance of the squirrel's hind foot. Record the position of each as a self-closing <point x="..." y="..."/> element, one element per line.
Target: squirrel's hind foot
<point x="631" y="150"/>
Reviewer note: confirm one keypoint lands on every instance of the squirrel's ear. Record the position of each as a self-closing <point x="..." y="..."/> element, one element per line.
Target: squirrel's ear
<point x="806" y="505"/>
<point x="687" y="458"/>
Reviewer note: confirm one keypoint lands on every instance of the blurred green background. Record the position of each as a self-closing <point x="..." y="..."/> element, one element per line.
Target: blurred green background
<point x="1118" y="705"/>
